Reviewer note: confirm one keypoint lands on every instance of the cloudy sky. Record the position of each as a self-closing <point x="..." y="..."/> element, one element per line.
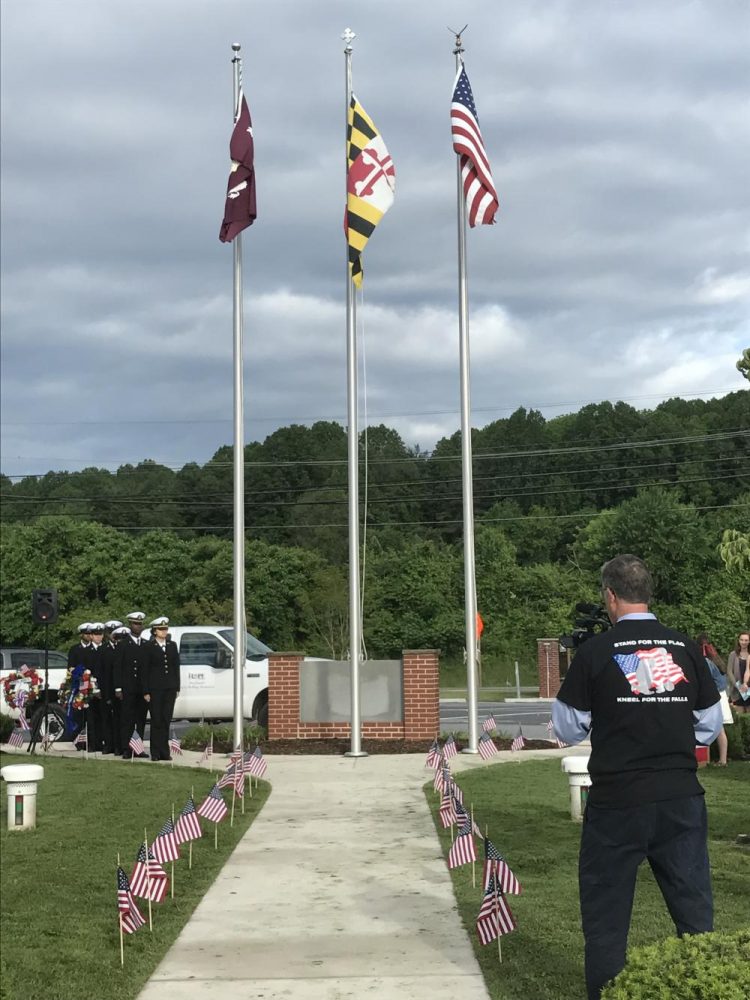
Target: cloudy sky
<point x="619" y="136"/>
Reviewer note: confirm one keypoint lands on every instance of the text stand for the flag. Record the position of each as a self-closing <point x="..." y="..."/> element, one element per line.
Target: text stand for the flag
<point x="470" y="590"/>
<point x="355" y="638"/>
<point x="239" y="452"/>
<point x="119" y="915"/>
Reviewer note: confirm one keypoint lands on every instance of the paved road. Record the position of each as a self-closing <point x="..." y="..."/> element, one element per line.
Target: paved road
<point x="453" y="717"/>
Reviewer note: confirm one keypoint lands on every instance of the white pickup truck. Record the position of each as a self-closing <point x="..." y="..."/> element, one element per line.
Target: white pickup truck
<point x="207" y="677"/>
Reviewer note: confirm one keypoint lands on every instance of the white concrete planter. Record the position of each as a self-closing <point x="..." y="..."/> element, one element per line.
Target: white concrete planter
<point x="22" y="781"/>
<point x="577" y="769"/>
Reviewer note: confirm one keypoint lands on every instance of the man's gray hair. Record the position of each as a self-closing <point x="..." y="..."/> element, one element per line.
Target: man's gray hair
<point x="628" y="578"/>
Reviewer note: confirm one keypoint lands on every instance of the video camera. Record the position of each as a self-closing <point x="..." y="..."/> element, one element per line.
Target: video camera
<point x="589" y="620"/>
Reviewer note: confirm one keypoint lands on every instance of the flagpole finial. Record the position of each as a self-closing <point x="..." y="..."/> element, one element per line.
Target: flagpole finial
<point x="458" y="43"/>
<point x="348" y="36"/>
<point x="236" y="46"/>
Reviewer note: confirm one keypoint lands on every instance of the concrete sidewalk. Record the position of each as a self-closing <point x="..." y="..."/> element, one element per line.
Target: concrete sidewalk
<point x="338" y="891"/>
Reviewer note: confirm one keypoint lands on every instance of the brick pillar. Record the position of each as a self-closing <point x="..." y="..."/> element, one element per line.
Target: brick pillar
<point x="421" y="693"/>
<point x="283" y="695"/>
<point x="548" y="662"/>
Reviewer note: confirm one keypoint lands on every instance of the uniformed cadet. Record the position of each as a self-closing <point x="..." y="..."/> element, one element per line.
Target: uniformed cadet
<point x="94" y="711"/>
<point x="161" y="685"/>
<point x="77" y="651"/>
<point x="129" y="663"/>
<point x="110" y="734"/>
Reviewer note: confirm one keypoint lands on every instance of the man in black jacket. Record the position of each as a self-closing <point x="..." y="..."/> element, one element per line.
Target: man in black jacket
<point x="645" y="695"/>
<point x="129" y="665"/>
<point x="161" y="685"/>
<point x="76" y="653"/>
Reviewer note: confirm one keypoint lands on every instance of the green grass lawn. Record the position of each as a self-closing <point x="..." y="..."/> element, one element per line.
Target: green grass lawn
<point x="526" y="809"/>
<point x="58" y="911"/>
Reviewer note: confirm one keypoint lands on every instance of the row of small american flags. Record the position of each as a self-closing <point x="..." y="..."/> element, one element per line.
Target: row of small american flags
<point x="149" y="880"/>
<point x="498" y="880"/>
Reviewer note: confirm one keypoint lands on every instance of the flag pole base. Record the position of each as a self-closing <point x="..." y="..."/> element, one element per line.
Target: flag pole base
<point x="469" y="750"/>
<point x="356" y="753"/>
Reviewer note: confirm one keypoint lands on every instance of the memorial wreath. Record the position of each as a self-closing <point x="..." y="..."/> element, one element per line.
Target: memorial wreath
<point x="27" y="685"/>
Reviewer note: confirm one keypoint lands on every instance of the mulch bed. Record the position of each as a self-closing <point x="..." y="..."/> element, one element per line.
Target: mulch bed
<point x="331" y="746"/>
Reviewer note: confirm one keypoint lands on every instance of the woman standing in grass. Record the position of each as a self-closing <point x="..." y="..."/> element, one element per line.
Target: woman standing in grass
<point x="738" y="672"/>
<point x="718" y="672"/>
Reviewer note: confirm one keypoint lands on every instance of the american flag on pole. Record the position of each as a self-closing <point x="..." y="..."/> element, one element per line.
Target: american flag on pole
<point x="494" y="918"/>
<point x="450" y="749"/>
<point x="136" y="743"/>
<point x="489" y="725"/>
<point x="447" y="811"/>
<point x="131" y="917"/>
<point x="213" y="806"/>
<point x="239" y="778"/>
<point x="82" y="739"/>
<point x="187" y="826"/>
<point x="228" y="777"/>
<point x="458" y="795"/>
<point x="518" y="743"/>
<point x="175" y="746"/>
<point x="476" y="173"/>
<point x="165" y="846"/>
<point x="433" y="755"/>
<point x="16" y="737"/>
<point x="442" y="778"/>
<point x="149" y="880"/>
<point x="486" y="747"/>
<point x="495" y="866"/>
<point x="462" y="851"/>
<point x="256" y="763"/>
<point x="462" y="817"/>
<point x="207" y="750"/>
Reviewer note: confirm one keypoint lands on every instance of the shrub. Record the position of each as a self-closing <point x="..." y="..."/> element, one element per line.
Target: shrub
<point x="198" y="737"/>
<point x="695" y="967"/>
<point x="6" y="727"/>
<point x="735" y="749"/>
<point x="744" y="728"/>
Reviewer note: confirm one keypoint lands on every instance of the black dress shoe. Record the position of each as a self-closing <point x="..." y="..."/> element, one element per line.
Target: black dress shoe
<point x="127" y="756"/>
<point x="152" y="757"/>
<point x="143" y="755"/>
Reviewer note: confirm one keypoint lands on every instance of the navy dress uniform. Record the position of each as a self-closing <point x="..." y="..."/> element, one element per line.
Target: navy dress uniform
<point x="110" y="730"/>
<point x="161" y="685"/>
<point x="95" y="711"/>
<point x="129" y="666"/>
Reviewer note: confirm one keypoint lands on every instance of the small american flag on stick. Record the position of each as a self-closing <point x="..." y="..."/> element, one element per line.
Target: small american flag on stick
<point x="16" y="737"/>
<point x="450" y="749"/>
<point x="486" y="747"/>
<point x="447" y="811"/>
<point x="433" y="755"/>
<point x="256" y="764"/>
<point x="462" y="851"/>
<point x="518" y="743"/>
<point x="149" y="880"/>
<point x="187" y="826"/>
<point x="175" y="746"/>
<point x="131" y="917"/>
<point x="82" y="739"/>
<point x="227" y="778"/>
<point x="165" y="846"/>
<point x="495" y="866"/>
<point x="213" y="806"/>
<point x="136" y="743"/>
<point x="207" y="750"/>
<point x="489" y="725"/>
<point x="494" y="918"/>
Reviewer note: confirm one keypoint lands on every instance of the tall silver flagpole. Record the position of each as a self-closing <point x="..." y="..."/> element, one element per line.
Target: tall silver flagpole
<point x="239" y="456"/>
<point x="355" y="638"/>
<point x="470" y="585"/>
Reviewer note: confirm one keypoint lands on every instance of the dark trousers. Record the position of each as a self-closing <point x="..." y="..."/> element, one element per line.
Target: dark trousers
<point x="132" y="716"/>
<point x="162" y="707"/>
<point x="672" y="836"/>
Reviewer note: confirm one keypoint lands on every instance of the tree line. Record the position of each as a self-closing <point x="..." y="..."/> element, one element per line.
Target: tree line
<point x="553" y="499"/>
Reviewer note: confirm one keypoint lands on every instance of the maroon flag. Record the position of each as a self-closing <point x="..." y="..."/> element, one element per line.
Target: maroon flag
<point x="239" y="211"/>
<point x="187" y="826"/>
<point x="476" y="173"/>
<point x="213" y="806"/>
<point x="165" y="846"/>
<point x="131" y="917"/>
<point x="494" y="918"/>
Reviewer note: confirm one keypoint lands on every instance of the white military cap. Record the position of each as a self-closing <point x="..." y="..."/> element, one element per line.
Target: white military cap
<point x="97" y="626"/>
<point x="136" y="616"/>
<point x="85" y="627"/>
<point x="112" y="624"/>
<point x="159" y="621"/>
<point x="122" y="630"/>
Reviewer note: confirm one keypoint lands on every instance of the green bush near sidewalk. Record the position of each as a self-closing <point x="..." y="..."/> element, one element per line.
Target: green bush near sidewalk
<point x="58" y="910"/>
<point x="199" y="737"/>
<point x="704" y="967"/>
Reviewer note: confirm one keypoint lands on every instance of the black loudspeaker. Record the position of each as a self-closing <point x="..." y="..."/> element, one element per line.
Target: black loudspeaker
<point x="44" y="607"/>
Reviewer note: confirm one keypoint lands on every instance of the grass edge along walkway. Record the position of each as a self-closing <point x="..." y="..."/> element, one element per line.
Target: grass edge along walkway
<point x="58" y="906"/>
<point x="525" y="806"/>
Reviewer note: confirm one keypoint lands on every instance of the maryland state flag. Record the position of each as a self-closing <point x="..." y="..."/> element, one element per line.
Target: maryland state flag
<point x="370" y="186"/>
<point x="239" y="211"/>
